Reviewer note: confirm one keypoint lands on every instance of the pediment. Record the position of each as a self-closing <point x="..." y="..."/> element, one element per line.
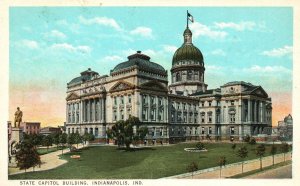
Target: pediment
<point x="259" y="91"/>
<point x="121" y="86"/>
<point x="72" y="96"/>
<point x="153" y="85"/>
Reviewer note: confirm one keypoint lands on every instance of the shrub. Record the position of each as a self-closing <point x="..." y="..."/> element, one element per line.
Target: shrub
<point x="200" y="146"/>
<point x="246" y="138"/>
<point x="252" y="141"/>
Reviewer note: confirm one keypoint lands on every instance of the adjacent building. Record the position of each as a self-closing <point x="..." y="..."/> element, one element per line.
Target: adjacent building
<point x="30" y="127"/>
<point x="285" y="128"/>
<point x="50" y="130"/>
<point x="185" y="109"/>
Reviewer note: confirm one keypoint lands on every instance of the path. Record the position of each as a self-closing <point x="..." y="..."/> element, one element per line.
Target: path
<point x="49" y="161"/>
<point x="280" y="172"/>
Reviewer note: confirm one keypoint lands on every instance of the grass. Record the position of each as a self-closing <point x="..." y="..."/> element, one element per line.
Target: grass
<point x="156" y="162"/>
<point x="263" y="169"/>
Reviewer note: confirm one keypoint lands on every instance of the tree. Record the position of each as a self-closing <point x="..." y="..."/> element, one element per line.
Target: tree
<point x="192" y="168"/>
<point x="142" y="132"/>
<point x="260" y="151"/>
<point x="199" y="146"/>
<point x="242" y="153"/>
<point x="77" y="138"/>
<point x="71" y="140"/>
<point x="273" y="151"/>
<point x="27" y="155"/>
<point x="47" y="141"/>
<point x="222" y="162"/>
<point x="284" y="149"/>
<point x="233" y="146"/>
<point x="252" y="141"/>
<point x="55" y="137"/>
<point x="122" y="131"/>
<point x="247" y="138"/>
<point x="62" y="141"/>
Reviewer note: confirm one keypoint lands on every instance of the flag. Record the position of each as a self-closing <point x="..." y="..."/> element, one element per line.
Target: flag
<point x="190" y="17"/>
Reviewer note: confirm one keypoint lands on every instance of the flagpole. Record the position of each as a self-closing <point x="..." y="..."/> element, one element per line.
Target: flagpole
<point x="187" y="19"/>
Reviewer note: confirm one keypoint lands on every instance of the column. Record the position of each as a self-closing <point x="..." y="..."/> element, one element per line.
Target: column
<point x="255" y="111"/>
<point x="261" y="111"/>
<point x="103" y="109"/>
<point x="89" y="110"/>
<point x="80" y="111"/>
<point x="149" y="107"/>
<point x="165" y="101"/>
<point x="249" y="110"/>
<point x="76" y="104"/>
<point x="140" y="106"/>
<point x="264" y="112"/>
<point x="156" y="108"/>
<point x="67" y="112"/>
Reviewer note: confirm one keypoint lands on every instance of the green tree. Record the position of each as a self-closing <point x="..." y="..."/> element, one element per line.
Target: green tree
<point x="47" y="141"/>
<point x="260" y="151"/>
<point x="27" y="155"/>
<point x="192" y="167"/>
<point x="242" y="153"/>
<point x="222" y="162"/>
<point x="273" y="151"/>
<point x="122" y="131"/>
<point x="199" y="146"/>
<point x="63" y="140"/>
<point x="55" y="138"/>
<point x="142" y="132"/>
<point x="77" y="138"/>
<point x="233" y="146"/>
<point x="284" y="149"/>
<point x="252" y="141"/>
<point x="71" y="140"/>
<point x="247" y="138"/>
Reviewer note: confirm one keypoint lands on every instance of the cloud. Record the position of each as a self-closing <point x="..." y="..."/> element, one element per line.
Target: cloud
<point x="113" y="58"/>
<point x="29" y="44"/>
<point x="71" y="48"/>
<point x="55" y="34"/>
<point x="218" y="52"/>
<point x="199" y="29"/>
<point x="142" y="31"/>
<point x="267" y="69"/>
<point x="170" y="48"/>
<point x="278" y="52"/>
<point x="105" y="21"/>
<point x="241" y="26"/>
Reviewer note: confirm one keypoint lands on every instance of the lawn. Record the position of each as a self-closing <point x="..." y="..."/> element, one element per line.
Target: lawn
<point x="109" y="162"/>
<point x="42" y="151"/>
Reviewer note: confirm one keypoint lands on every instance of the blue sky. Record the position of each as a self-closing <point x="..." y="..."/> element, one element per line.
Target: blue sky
<point x="49" y="45"/>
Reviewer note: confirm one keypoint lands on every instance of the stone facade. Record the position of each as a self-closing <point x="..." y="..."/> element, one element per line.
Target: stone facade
<point x="285" y="128"/>
<point x="183" y="110"/>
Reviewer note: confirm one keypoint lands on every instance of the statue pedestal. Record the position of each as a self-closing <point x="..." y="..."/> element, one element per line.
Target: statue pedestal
<point x="16" y="137"/>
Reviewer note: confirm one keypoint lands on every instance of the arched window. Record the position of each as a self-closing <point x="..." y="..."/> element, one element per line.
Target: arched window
<point x="178" y="77"/>
<point x="189" y="75"/>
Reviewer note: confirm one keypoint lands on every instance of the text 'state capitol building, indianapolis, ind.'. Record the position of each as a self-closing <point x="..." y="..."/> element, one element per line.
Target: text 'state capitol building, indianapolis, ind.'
<point x="182" y="110"/>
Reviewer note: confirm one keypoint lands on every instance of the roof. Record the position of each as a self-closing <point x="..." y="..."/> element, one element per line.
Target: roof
<point x="203" y="93"/>
<point x="237" y="83"/>
<point x="187" y="52"/>
<point x="142" y="61"/>
<point x="84" y="76"/>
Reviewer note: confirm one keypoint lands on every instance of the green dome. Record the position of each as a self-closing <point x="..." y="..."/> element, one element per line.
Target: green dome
<point x="142" y="61"/>
<point x="187" y="52"/>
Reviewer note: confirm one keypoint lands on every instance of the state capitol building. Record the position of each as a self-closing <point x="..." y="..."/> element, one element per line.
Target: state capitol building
<point x="182" y="110"/>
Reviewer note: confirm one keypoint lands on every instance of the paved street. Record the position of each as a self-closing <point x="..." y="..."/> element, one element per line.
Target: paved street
<point x="280" y="172"/>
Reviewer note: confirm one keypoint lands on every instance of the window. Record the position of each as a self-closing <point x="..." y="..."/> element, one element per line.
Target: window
<point x="129" y="98"/>
<point x="196" y="118"/>
<point x="72" y="130"/>
<point x="161" y="132"/>
<point x="209" y="130"/>
<point x="115" y="100"/>
<point x="232" y="118"/>
<point x="145" y="114"/>
<point x="172" y="116"/>
<point x="218" y="103"/>
<point x="91" y="131"/>
<point x="178" y="106"/>
<point x="196" y="129"/>
<point x="203" y="130"/>
<point x="144" y="99"/>
<point x="115" y="115"/>
<point x="153" y="114"/>
<point x="202" y="103"/>
<point x="96" y="131"/>
<point x="69" y="130"/>
<point x="209" y="103"/>
<point x="122" y="99"/>
<point x="152" y="100"/>
<point x="179" y="116"/>
<point x="160" y="114"/>
<point x="178" y="78"/>
<point x="202" y="117"/>
<point x="191" y="117"/>
<point x="184" y="117"/>
<point x="160" y="101"/>
<point x="189" y="75"/>
<point x="153" y="131"/>
<point x="122" y="114"/>
<point x="184" y="106"/>
<point x="209" y="117"/>
<point x="232" y="102"/>
<point x="231" y="130"/>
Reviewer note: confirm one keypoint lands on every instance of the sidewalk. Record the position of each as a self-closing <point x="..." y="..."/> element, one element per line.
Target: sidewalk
<point x="49" y="161"/>
<point x="232" y="169"/>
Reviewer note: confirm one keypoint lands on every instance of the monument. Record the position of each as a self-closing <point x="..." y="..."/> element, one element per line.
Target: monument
<point x="16" y="137"/>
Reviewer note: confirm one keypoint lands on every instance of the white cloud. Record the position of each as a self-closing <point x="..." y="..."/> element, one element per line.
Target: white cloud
<point x="241" y="26"/>
<point x="113" y="58"/>
<point x="71" y="48"/>
<point x="29" y="44"/>
<point x="100" y="21"/>
<point x="170" y="48"/>
<point x="278" y="52"/>
<point x="267" y="69"/>
<point x="199" y="29"/>
<point x="142" y="31"/>
<point x="218" y="52"/>
<point x="55" y="34"/>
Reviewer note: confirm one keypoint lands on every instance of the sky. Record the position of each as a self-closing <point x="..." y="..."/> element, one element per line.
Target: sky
<point x="49" y="46"/>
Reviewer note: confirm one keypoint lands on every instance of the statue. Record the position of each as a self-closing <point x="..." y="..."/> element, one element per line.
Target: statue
<point x="18" y="117"/>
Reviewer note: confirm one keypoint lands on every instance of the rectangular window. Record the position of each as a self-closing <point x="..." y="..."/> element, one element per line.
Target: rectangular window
<point x="129" y="98"/>
<point x="196" y="118"/>
<point x="173" y="116"/>
<point x="144" y="99"/>
<point x="122" y="99"/>
<point x="115" y="115"/>
<point x="184" y="106"/>
<point x="153" y="114"/>
<point x="184" y="117"/>
<point x="115" y="100"/>
<point x="209" y="118"/>
<point x="122" y="115"/>
<point x="202" y="103"/>
<point x="145" y="114"/>
<point x="203" y="130"/>
<point x="232" y="102"/>
<point x="178" y="106"/>
<point x="209" y="130"/>
<point x="209" y="103"/>
<point x="152" y="100"/>
<point x="231" y="130"/>
<point x="179" y="116"/>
